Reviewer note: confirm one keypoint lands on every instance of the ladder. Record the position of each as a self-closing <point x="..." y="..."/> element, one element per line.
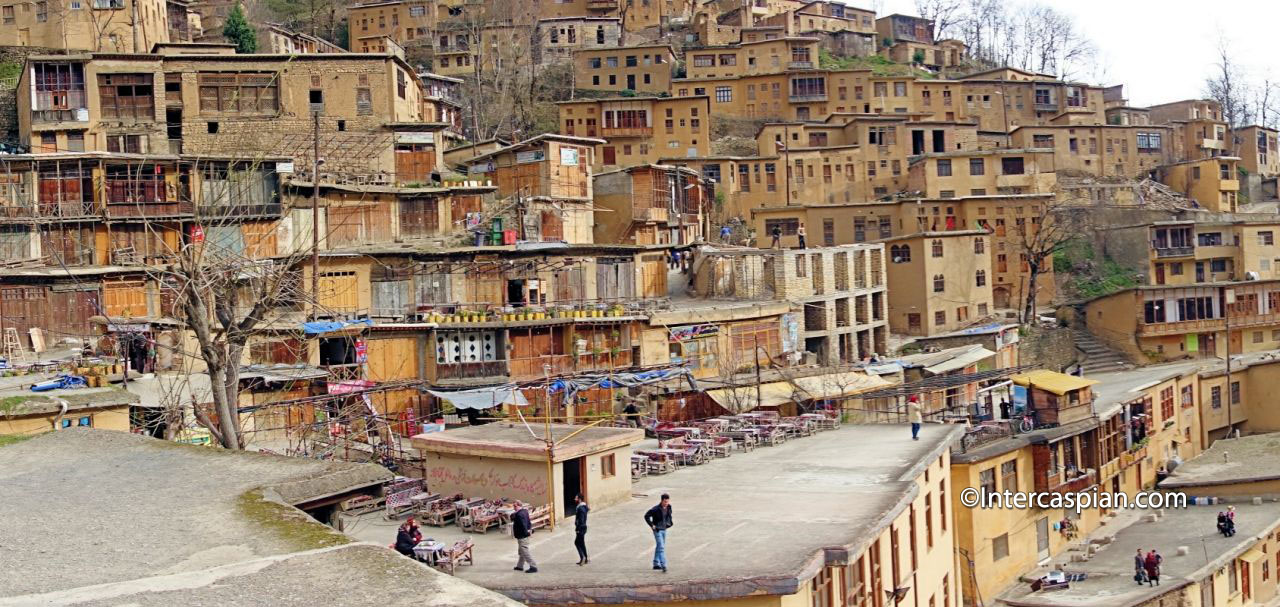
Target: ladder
<point x="13" y="350"/>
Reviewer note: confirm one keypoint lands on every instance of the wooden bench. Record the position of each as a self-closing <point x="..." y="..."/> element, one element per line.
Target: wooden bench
<point x="457" y="554"/>
<point x="540" y="517"/>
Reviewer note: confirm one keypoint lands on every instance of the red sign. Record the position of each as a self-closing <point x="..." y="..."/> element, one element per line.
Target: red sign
<point x="197" y="234"/>
<point x="362" y="351"/>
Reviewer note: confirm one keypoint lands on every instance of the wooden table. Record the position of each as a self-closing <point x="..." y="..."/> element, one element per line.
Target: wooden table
<point x="428" y="551"/>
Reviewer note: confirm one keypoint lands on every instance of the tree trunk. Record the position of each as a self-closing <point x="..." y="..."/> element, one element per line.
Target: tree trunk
<point x="1029" y="306"/>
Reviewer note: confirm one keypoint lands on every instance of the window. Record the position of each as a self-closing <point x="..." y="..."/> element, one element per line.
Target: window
<point x="42" y="11"/>
<point x="1009" y="476"/>
<point x="724" y="94"/>
<point x="704" y="60"/>
<point x="977" y="166"/>
<point x="631" y="61"/>
<point x="1000" y="547"/>
<point x="1218" y="265"/>
<point x="808" y="87"/>
<point x="939" y="318"/>
<point x="980" y="278"/>
<point x="1215" y="397"/>
<point x="900" y="253"/>
<point x="944" y="167"/>
<point x="1209" y="239"/>
<point x="126" y="96"/>
<point x="987" y="480"/>
<point x="7" y="14"/>
<point x="1011" y="166"/>
<point x="1266" y="239"/>
<point x="250" y="93"/>
<point x="939" y="283"/>
<point x="979" y="246"/>
<point x="608" y="467"/>
<point x="1148" y="142"/>
<point x="1235" y="392"/>
<point x="881" y="135"/>
<point x="788" y="226"/>
<point x="936" y="247"/>
<point x="899" y="89"/>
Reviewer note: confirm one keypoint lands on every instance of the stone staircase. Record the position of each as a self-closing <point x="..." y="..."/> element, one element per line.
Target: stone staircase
<point x="1096" y="357"/>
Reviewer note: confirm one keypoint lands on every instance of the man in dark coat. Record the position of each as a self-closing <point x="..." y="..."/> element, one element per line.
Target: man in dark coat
<point x="659" y="520"/>
<point x="407" y="537"/>
<point x="580" y="529"/>
<point x="522" y="528"/>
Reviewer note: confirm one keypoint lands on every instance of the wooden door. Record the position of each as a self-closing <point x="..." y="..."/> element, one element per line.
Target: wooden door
<point x="391" y="298"/>
<point x="414" y="164"/>
<point x="124" y="298"/>
<point x="552" y="227"/>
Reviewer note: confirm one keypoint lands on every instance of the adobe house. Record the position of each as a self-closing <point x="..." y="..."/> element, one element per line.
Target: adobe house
<point x="505" y="460"/>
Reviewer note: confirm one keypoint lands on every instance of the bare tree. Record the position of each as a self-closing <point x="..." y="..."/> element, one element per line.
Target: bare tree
<point x="945" y="14"/>
<point x="1048" y="231"/>
<point x="1032" y="36"/>
<point x="1265" y="101"/>
<point x="1227" y="86"/>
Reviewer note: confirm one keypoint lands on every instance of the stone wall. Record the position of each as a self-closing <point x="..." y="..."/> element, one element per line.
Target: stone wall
<point x="1046" y="348"/>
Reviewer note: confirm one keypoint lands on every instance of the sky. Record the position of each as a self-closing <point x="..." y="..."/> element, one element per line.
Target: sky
<point x="1161" y="50"/>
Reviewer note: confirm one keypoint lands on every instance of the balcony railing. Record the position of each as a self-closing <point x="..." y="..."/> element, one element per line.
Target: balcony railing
<point x="1046" y="107"/>
<point x="1163" y="252"/>
<point x="800" y="65"/>
<point x="540" y="366"/>
<point x="651" y="214"/>
<point x="79" y="114"/>
<point x="148" y="209"/>
<point x="602" y="5"/>
<point x="808" y="98"/>
<point x="629" y="131"/>
<point x="471" y="370"/>
<point x="1065" y="481"/>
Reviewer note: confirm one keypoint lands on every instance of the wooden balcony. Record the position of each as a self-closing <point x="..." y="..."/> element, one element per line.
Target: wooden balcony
<point x="651" y="214"/>
<point x="541" y="366"/>
<point x="1060" y="482"/>
<point x="1172" y="252"/>
<point x="630" y="131"/>
<point x="471" y="370"/>
<point x="602" y="5"/>
<point x="814" y="98"/>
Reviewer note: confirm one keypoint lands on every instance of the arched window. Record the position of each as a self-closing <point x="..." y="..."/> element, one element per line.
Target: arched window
<point x="939" y="283"/>
<point x="979" y="246"/>
<point x="900" y="253"/>
<point x="981" y="278"/>
<point x="937" y="248"/>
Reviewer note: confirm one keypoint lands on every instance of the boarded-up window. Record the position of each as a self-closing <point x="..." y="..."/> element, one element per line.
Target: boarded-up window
<point x="253" y="93"/>
<point x="24" y="308"/>
<point x="487" y="286"/>
<point x="15" y="242"/>
<point x="260" y="240"/>
<point x="431" y="282"/>
<point x="419" y="217"/>
<point x="391" y="299"/>
<point x="339" y="292"/>
<point x="615" y="279"/>
<point x="463" y="204"/>
<point x="364" y="102"/>
<point x="653" y="276"/>
<point x="67" y="243"/>
<point x="569" y="285"/>
<point x="72" y="306"/>
<point x="289" y="351"/>
<point x="124" y="298"/>
<point x="552" y="227"/>
<point x="414" y="163"/>
<point x="350" y="225"/>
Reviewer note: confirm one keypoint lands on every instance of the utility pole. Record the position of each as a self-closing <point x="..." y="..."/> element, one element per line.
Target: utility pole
<point x="755" y="354"/>
<point x="786" y="158"/>
<point x="315" y="212"/>
<point x="1230" y="299"/>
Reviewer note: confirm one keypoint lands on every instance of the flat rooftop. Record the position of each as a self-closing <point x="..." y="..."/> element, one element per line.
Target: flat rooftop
<point x="1230" y="460"/>
<point x="1119" y="387"/>
<point x="1110" y="580"/>
<point x="111" y="518"/>
<point x="754" y="523"/>
<point x="517" y="441"/>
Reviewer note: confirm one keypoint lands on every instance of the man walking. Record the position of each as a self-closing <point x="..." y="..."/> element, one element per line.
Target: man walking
<point x="580" y="529"/>
<point x="659" y="520"/>
<point x="914" y="416"/>
<point x="1139" y="568"/>
<point x="522" y="528"/>
<point x="776" y="233"/>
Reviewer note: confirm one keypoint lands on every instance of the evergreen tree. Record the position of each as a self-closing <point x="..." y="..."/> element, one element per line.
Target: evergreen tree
<point x="238" y="31"/>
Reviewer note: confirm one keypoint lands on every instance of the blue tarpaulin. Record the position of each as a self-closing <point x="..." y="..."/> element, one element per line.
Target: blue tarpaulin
<point x="571" y="387"/>
<point x="329" y="326"/>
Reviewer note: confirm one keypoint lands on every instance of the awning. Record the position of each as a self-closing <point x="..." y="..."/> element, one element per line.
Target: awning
<point x="482" y="398"/>
<point x="961" y="361"/>
<point x="837" y="384"/>
<point x="773" y="394"/>
<point x="1253" y="555"/>
<point x="741" y="400"/>
<point x="1052" y="381"/>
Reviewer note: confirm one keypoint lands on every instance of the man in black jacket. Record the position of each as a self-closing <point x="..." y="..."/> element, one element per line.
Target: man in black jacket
<point x="580" y="529"/>
<point x="659" y="520"/>
<point x="522" y="528"/>
<point x="407" y="537"/>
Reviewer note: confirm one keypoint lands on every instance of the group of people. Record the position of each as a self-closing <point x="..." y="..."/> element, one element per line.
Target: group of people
<point x="776" y="233"/>
<point x="658" y="518"/>
<point x="1147" y="568"/>
<point x="1227" y="522"/>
